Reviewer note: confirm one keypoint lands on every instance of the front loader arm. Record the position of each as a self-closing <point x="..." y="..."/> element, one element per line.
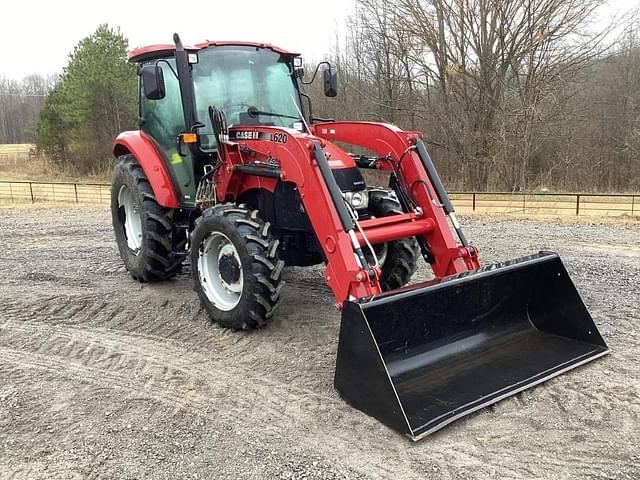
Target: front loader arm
<point x="300" y="159"/>
<point x="406" y="152"/>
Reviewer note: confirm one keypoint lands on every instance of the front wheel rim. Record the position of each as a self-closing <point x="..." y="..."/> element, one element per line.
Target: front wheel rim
<point x="132" y="221"/>
<point x="220" y="271"/>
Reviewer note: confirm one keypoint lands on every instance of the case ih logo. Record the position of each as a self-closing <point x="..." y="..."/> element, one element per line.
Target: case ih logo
<point x="277" y="137"/>
<point x="246" y="135"/>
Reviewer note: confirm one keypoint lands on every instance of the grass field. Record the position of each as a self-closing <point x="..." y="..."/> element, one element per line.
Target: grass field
<point x="20" y="162"/>
<point x="15" y="149"/>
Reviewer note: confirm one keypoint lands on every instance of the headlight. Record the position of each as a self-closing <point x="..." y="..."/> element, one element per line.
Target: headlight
<point x="358" y="200"/>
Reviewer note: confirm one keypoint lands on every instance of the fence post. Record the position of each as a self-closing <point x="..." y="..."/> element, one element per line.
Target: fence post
<point x="633" y="204"/>
<point x="10" y="192"/>
<point x="75" y="189"/>
<point x="524" y="203"/>
<point x="31" y="192"/>
<point x="474" y="201"/>
<point x="577" y="205"/>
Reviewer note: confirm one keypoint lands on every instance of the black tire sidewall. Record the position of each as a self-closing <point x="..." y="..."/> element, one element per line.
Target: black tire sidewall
<point x="219" y="223"/>
<point x="134" y="262"/>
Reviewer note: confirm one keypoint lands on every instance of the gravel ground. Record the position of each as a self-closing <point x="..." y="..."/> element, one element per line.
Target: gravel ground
<point x="102" y="377"/>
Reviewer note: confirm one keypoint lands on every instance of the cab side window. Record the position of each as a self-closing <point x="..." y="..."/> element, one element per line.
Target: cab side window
<point x="163" y="121"/>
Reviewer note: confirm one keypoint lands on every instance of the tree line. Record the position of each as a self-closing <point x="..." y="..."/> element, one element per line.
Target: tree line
<point x="73" y="117"/>
<point x="514" y="95"/>
<point x="20" y="106"/>
<point x="511" y="94"/>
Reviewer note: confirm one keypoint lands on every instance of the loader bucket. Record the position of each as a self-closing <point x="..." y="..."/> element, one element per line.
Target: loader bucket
<point x="421" y="357"/>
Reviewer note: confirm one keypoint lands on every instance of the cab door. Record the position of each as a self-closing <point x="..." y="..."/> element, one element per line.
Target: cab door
<point x="163" y="121"/>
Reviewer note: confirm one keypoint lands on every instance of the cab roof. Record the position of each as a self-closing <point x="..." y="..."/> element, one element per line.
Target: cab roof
<point x="151" y="52"/>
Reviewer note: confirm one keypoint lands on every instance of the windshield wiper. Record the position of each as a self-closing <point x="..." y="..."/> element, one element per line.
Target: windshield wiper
<point x="254" y="112"/>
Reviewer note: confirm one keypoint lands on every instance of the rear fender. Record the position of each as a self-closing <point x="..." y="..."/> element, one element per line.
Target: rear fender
<point x="139" y="145"/>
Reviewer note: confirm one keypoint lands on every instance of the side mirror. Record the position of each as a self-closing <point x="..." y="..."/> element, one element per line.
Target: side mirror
<point x="330" y="83"/>
<point x="153" y="82"/>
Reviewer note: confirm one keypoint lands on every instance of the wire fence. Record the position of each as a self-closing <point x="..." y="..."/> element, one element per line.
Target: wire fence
<point x="562" y="204"/>
<point x="55" y="192"/>
<point x="576" y="204"/>
<point x="12" y="154"/>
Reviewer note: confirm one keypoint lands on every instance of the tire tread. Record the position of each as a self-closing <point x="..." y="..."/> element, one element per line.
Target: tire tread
<point x="265" y="266"/>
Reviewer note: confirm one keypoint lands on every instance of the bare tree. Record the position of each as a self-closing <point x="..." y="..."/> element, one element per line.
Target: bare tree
<point x="504" y="89"/>
<point x="493" y="64"/>
<point x="20" y="105"/>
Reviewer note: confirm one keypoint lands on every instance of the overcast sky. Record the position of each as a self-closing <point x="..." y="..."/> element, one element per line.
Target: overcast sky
<point x="37" y="35"/>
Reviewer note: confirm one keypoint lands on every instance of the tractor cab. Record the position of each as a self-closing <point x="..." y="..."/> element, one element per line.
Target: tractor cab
<point x="233" y="78"/>
<point x="251" y="83"/>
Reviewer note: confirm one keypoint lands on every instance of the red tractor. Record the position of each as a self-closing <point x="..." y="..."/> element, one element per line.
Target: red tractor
<point x="231" y="169"/>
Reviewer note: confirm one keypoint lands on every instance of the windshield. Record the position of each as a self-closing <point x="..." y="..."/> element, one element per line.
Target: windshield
<point x="236" y="78"/>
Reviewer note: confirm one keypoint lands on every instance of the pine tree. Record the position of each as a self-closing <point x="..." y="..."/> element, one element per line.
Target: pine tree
<point x="94" y="100"/>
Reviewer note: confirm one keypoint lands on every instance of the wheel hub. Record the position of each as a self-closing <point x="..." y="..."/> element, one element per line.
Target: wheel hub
<point x="229" y="268"/>
<point x="220" y="271"/>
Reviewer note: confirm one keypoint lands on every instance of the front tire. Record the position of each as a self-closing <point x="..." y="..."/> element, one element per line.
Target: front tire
<point x="401" y="256"/>
<point x="235" y="266"/>
<point x="143" y="228"/>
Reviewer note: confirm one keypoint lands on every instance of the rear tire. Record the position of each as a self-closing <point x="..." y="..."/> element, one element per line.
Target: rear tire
<point x="235" y="266"/>
<point x="401" y="256"/>
<point x="143" y="228"/>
